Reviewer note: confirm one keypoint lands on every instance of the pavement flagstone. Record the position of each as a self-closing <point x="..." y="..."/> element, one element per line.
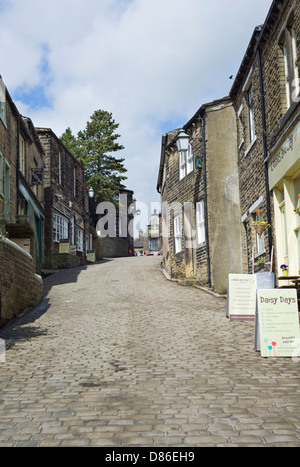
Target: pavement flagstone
<point x="116" y="355"/>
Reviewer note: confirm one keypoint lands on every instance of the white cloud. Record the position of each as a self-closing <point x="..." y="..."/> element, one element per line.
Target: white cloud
<point x="152" y="63"/>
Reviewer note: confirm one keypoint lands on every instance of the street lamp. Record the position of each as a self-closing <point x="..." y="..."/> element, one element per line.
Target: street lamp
<point x="91" y="193"/>
<point x="182" y="141"/>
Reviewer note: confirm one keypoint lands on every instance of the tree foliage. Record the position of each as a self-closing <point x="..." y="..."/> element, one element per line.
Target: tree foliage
<point x="94" y="148"/>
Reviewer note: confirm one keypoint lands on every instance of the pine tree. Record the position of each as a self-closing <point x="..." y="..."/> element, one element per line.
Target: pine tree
<point x="93" y="147"/>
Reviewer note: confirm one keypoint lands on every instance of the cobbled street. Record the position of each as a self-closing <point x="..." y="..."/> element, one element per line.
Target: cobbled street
<point x="117" y="355"/>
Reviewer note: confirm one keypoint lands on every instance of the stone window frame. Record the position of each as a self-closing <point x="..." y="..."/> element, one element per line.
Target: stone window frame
<point x="288" y="62"/>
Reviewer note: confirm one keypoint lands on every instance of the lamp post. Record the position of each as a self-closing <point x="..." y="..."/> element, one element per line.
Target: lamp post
<point x="91" y="193"/>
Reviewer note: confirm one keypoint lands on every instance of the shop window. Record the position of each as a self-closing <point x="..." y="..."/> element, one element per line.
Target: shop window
<point x="60" y="228"/>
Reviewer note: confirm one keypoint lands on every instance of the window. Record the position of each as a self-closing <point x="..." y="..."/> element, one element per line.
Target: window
<point x="60" y="228"/>
<point x="6" y="190"/>
<point x="200" y="222"/>
<point x="186" y="164"/>
<point x="260" y="241"/>
<point x="79" y="239"/>
<point x="177" y="233"/>
<point x="59" y="167"/>
<point x="22" y="155"/>
<point x="154" y="244"/>
<point x="288" y="46"/>
<point x="251" y="114"/>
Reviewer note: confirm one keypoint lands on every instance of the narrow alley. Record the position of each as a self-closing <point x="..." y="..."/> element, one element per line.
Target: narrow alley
<point x="116" y="355"/>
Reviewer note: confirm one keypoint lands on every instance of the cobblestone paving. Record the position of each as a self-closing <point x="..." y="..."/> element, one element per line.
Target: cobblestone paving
<point x="116" y="355"/>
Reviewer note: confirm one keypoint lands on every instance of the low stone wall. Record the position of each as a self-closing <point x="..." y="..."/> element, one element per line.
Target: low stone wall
<point x="20" y="288"/>
<point x="66" y="261"/>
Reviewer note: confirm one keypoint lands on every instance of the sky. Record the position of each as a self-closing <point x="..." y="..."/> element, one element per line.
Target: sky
<point x="151" y="63"/>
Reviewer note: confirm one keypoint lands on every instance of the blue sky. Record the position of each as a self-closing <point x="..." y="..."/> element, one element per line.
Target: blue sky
<point x="152" y="63"/>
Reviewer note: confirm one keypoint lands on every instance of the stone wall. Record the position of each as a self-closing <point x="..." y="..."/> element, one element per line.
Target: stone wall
<point x="114" y="247"/>
<point x="20" y="288"/>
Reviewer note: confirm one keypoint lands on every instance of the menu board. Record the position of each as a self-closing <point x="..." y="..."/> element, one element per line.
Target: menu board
<point x="64" y="247"/>
<point x="241" y="297"/>
<point x="91" y="256"/>
<point x="278" y="322"/>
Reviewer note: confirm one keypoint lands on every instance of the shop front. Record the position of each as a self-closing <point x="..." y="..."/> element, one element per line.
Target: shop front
<point x="284" y="181"/>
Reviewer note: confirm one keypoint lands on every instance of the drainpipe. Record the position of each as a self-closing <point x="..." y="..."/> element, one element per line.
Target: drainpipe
<point x="18" y="164"/>
<point x="205" y="202"/>
<point x="265" y="146"/>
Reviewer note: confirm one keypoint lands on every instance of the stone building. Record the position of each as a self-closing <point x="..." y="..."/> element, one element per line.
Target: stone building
<point x="21" y="211"/>
<point x="66" y="205"/>
<point x="115" y="225"/>
<point x="266" y="95"/>
<point x="200" y="199"/>
<point x="21" y="180"/>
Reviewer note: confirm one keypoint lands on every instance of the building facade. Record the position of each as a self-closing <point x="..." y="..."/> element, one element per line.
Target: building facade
<point x="66" y="205"/>
<point x="200" y="198"/>
<point x="22" y="212"/>
<point x="21" y="180"/>
<point x="266" y="95"/>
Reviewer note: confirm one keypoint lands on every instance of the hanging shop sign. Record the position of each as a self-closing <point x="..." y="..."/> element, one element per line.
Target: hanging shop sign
<point x="36" y="176"/>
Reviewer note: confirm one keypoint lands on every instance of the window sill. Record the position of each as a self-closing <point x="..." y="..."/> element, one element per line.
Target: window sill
<point x="250" y="147"/>
<point x="186" y="176"/>
<point x="258" y="255"/>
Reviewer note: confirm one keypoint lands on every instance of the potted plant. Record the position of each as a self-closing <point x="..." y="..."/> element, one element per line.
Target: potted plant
<point x="285" y="269"/>
<point x="297" y="210"/>
<point x="260" y="224"/>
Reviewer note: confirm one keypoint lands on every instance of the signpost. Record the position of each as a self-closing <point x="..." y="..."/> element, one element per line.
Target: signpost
<point x="278" y="322"/>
